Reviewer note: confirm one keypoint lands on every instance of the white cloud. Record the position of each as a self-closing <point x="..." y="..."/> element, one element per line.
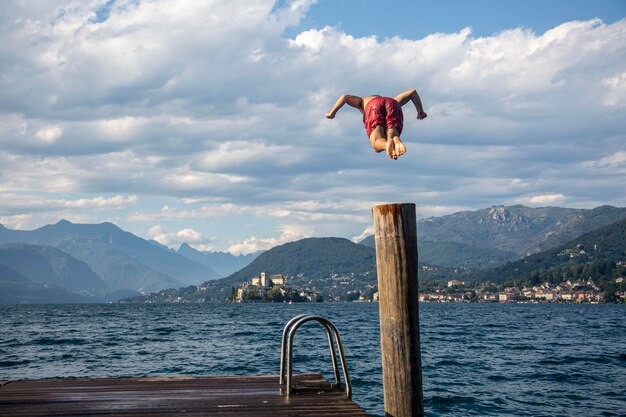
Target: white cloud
<point x="49" y="134"/>
<point x="236" y="153"/>
<point x="123" y="127"/>
<point x="186" y="179"/>
<point x="425" y="211"/>
<point x="305" y="213"/>
<point x="616" y="95"/>
<point x="253" y="244"/>
<point x="30" y="211"/>
<point x="544" y="200"/>
<point x="368" y="231"/>
<point x="610" y="167"/>
<point x="117" y="202"/>
<point x="174" y="239"/>
<point x="618" y="158"/>
<point x="182" y="102"/>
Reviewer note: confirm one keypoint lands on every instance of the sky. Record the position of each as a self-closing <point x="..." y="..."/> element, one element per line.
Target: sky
<point x="203" y="121"/>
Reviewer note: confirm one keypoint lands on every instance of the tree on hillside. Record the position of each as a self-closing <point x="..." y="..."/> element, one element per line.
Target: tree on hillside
<point x="275" y="295"/>
<point x="251" y="296"/>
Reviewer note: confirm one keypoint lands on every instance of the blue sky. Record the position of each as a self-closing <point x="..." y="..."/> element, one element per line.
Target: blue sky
<point x="203" y="122"/>
<point x="417" y="19"/>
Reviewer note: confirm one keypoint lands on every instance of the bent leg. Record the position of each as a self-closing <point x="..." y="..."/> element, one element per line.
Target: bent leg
<point x="378" y="139"/>
<point x="398" y="147"/>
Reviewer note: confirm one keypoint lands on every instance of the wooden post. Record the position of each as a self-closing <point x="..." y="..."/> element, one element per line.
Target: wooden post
<point x="395" y="231"/>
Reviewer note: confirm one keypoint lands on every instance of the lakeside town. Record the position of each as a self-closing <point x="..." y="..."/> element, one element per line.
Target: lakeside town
<point x="275" y="288"/>
<point x="564" y="292"/>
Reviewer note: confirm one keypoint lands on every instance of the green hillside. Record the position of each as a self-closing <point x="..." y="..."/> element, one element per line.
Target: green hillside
<point x="313" y="258"/>
<point x="17" y="289"/>
<point x="453" y="254"/>
<point x="519" y="229"/>
<point x="116" y="268"/>
<point x="45" y="274"/>
<point x="310" y="262"/>
<point x="592" y="255"/>
<point x="122" y="259"/>
<point x="490" y="237"/>
<point x="49" y="265"/>
<point x="587" y="221"/>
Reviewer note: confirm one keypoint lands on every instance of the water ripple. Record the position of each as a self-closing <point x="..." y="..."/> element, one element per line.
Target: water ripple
<point x="478" y="359"/>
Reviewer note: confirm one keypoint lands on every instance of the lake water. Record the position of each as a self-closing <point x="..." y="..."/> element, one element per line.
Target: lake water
<point x="478" y="359"/>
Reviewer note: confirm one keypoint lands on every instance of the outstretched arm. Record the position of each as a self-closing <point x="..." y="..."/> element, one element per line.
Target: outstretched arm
<point x="411" y="95"/>
<point x="354" y="101"/>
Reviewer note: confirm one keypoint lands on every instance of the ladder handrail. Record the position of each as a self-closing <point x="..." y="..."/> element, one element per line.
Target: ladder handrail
<point x="283" y="346"/>
<point x="283" y="349"/>
<point x="287" y="350"/>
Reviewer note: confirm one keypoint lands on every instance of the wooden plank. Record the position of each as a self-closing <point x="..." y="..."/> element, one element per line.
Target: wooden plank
<point x="166" y="396"/>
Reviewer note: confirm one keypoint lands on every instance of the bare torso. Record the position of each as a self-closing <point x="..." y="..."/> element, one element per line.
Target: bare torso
<point x="365" y="101"/>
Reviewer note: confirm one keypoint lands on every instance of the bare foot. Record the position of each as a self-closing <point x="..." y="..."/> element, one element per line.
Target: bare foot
<point x="390" y="148"/>
<point x="422" y="116"/>
<point x="399" y="146"/>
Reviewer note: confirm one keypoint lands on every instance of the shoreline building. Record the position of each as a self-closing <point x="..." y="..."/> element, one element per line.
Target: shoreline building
<point x="268" y="281"/>
<point x="258" y="287"/>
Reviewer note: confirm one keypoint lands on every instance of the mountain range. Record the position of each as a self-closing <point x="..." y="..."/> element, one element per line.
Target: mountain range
<point x="591" y="255"/>
<point x="15" y="288"/>
<point x="47" y="264"/>
<point x="333" y="266"/>
<point x="97" y="261"/>
<point x="489" y="237"/>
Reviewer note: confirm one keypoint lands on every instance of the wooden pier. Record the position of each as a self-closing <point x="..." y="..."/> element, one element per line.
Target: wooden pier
<point x="168" y="396"/>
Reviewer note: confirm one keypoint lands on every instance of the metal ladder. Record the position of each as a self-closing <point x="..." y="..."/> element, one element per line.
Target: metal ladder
<point x="286" y="351"/>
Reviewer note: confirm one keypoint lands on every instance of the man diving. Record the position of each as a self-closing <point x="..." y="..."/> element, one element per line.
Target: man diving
<point x="383" y="118"/>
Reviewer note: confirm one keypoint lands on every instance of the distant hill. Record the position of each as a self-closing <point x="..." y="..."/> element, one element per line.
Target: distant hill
<point x="50" y="265"/>
<point x="10" y="275"/>
<point x="453" y="254"/>
<point x="587" y="221"/>
<point x="311" y="258"/>
<point x="17" y="289"/>
<point x="45" y="274"/>
<point x="583" y="255"/>
<point x="116" y="268"/>
<point x="135" y="262"/>
<point x="308" y="261"/>
<point x="483" y="238"/>
<point x="519" y="229"/>
<point x="223" y="263"/>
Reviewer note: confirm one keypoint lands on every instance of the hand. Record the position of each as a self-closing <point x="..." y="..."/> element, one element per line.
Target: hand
<point x="421" y="116"/>
<point x="330" y="115"/>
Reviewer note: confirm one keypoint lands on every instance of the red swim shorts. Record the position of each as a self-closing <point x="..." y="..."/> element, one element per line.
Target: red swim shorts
<point x="385" y="112"/>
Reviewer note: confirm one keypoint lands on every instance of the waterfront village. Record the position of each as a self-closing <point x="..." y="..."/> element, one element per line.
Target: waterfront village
<point x="274" y="288"/>
<point x="564" y="292"/>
